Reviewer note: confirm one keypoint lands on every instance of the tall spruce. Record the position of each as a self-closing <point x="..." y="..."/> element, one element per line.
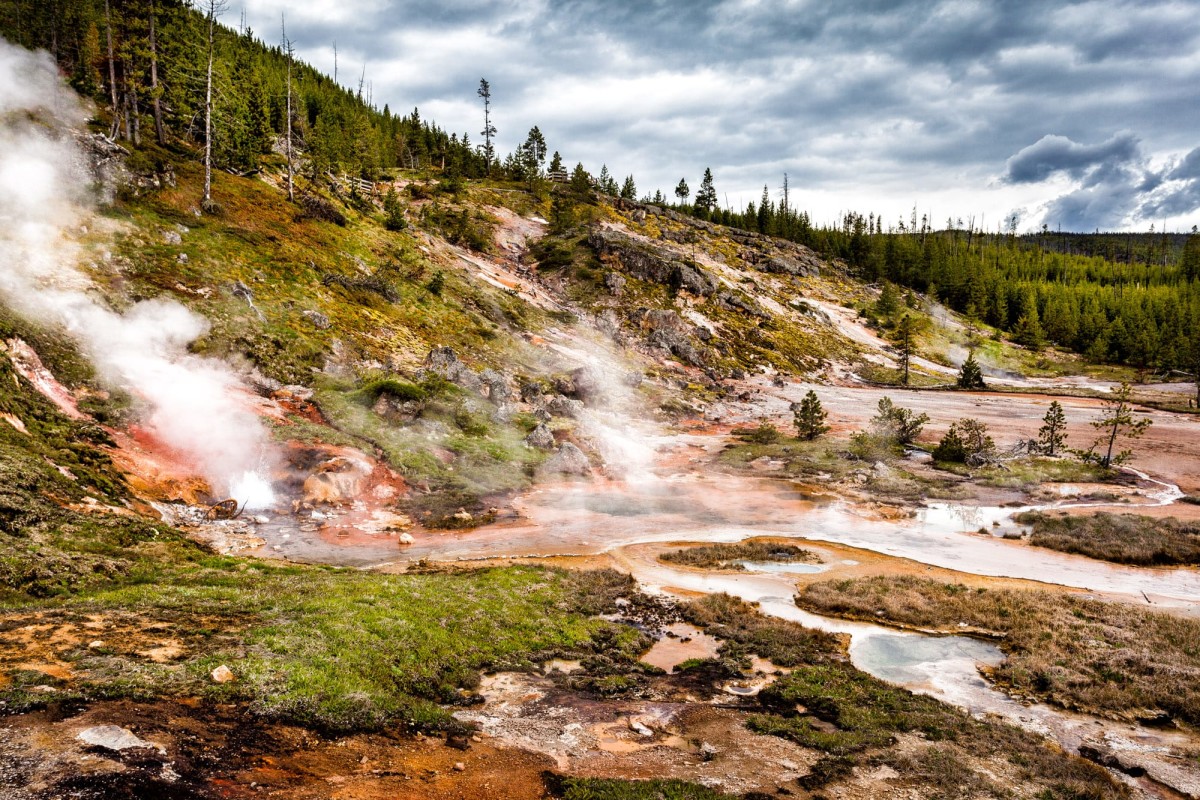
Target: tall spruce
<point x="489" y="130"/>
<point x="1052" y="435"/>
<point x="970" y="376"/>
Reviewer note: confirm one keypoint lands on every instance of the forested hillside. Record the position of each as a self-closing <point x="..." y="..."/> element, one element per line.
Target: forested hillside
<point x="1130" y="299"/>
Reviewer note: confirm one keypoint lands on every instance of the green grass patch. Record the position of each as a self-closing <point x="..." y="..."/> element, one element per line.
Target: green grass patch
<point x="572" y="788"/>
<point x="727" y="556"/>
<point x="345" y="651"/>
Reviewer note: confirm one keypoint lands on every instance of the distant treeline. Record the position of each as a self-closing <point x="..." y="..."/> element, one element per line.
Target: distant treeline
<point x="1124" y="298"/>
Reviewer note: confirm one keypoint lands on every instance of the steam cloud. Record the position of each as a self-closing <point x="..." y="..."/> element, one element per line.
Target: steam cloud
<point x="191" y="403"/>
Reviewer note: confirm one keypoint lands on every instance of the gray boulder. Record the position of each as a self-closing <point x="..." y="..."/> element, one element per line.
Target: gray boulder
<point x="443" y="361"/>
<point x="569" y="460"/>
<point x="540" y="437"/>
<point x="496" y="385"/>
<point x="561" y="406"/>
<point x="615" y="283"/>
<point x="691" y="279"/>
<point x="318" y="320"/>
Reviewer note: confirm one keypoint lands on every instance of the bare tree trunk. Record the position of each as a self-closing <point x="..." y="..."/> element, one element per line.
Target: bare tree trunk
<point x="112" y="73"/>
<point x="291" y="172"/>
<point x="212" y="22"/>
<point x="134" y="122"/>
<point x="160" y="132"/>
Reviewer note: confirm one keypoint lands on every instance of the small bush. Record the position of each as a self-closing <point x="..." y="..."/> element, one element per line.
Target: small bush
<point x="393" y="387"/>
<point x="318" y="208"/>
<point x="764" y="433"/>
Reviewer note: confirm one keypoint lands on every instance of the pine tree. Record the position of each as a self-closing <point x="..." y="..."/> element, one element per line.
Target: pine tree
<point x="556" y="162"/>
<point x="966" y="441"/>
<point x="706" y="198"/>
<point x="1028" y="330"/>
<point x="581" y="181"/>
<point x="970" y="376"/>
<point x="1116" y="420"/>
<point x="489" y="130"/>
<point x="809" y="417"/>
<point x="1052" y="436"/>
<point x="682" y="191"/>
<point x="899" y="423"/>
<point x="606" y="183"/>
<point x="629" y="189"/>
<point x="888" y="303"/>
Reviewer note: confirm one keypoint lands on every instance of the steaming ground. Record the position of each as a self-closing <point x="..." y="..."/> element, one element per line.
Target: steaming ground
<point x="186" y="401"/>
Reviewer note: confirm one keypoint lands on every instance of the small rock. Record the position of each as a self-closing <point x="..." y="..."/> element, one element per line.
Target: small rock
<point x="707" y="751"/>
<point x="182" y="258"/>
<point x="476" y="738"/>
<point x="458" y="741"/>
<point x="460" y="766"/>
<point x="639" y="728"/>
<point x="406" y="538"/>
<point x="318" y="320"/>
<point x="172" y="238"/>
<point x="111" y="737"/>
<point x="223" y="674"/>
<point x="259" y="519"/>
<point x="96" y="645"/>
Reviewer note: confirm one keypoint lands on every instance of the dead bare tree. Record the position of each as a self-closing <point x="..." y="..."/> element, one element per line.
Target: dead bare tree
<point x="160" y="131"/>
<point x="287" y="49"/>
<point x="112" y="72"/>
<point x="215" y="7"/>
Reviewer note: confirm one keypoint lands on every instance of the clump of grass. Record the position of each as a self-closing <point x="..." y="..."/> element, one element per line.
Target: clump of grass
<point x="1030" y="473"/>
<point x="392" y="387"/>
<point x="1112" y="659"/>
<point x="1121" y="538"/>
<point x="572" y="788"/>
<point x="858" y="711"/>
<point x="727" y="556"/>
<point x="744" y="631"/>
<point x="763" y="433"/>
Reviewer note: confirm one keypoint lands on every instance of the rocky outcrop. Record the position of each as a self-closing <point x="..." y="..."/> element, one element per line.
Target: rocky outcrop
<point x="669" y="332"/>
<point x="650" y="264"/>
<point x="787" y="265"/>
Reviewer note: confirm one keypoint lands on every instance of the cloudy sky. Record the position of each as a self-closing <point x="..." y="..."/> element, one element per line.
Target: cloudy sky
<point x="1080" y="115"/>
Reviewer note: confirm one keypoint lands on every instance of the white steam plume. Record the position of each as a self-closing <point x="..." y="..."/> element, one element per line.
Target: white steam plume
<point x="191" y="403"/>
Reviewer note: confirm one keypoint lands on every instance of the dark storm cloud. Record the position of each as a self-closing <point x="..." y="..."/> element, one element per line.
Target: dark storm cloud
<point x="1054" y="154"/>
<point x="874" y="100"/>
